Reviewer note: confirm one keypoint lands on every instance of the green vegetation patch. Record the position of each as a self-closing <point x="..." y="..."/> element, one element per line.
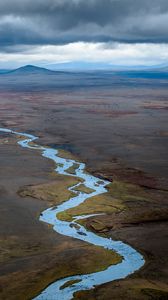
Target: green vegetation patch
<point x="126" y="191"/>
<point x="120" y="197"/>
<point x="104" y="203"/>
<point x="69" y="283"/>
<point x="72" y="169"/>
<point x="54" y="192"/>
<point x="84" y="189"/>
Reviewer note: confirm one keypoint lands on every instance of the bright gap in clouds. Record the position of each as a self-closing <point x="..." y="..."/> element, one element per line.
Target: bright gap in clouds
<point x="112" y="53"/>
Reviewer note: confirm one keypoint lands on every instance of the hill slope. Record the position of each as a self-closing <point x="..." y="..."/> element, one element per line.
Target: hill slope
<point x="30" y="69"/>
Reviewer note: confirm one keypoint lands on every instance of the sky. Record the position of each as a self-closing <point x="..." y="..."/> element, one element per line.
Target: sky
<point x="116" y="32"/>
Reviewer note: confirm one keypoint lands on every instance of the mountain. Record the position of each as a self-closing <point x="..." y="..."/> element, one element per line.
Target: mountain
<point x="30" y="70"/>
<point x="94" y="66"/>
<point x="2" y="71"/>
<point x="79" y="66"/>
<point x="161" y="69"/>
<point x="88" y="66"/>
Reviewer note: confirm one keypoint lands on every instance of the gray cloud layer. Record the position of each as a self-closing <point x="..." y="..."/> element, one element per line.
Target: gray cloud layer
<point x="40" y="22"/>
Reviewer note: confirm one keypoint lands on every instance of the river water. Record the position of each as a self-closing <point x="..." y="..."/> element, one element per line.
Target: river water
<point x="131" y="259"/>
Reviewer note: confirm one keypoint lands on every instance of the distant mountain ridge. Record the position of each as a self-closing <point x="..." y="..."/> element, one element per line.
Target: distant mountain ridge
<point x="161" y="69"/>
<point x="92" y="66"/>
<point x="70" y="68"/>
<point x="30" y="69"/>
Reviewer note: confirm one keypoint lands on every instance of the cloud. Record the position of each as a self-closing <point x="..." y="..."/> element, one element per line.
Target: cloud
<point x="129" y="31"/>
<point x="56" y="22"/>
<point x="114" y="53"/>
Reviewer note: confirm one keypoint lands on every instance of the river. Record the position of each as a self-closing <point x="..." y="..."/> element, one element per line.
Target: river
<point x="131" y="259"/>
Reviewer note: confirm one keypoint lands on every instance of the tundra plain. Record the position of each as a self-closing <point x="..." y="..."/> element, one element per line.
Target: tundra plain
<point x="115" y="122"/>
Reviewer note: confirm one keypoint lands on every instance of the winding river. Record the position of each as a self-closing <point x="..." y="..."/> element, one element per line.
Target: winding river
<point x="131" y="259"/>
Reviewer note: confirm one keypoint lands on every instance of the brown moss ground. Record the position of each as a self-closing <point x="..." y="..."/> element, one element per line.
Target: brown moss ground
<point x="127" y="206"/>
<point x="80" y="260"/>
<point x="95" y="258"/>
<point x="127" y="289"/>
<point x="32" y="254"/>
<point x="67" y="155"/>
<point x="140" y="207"/>
<point x="10" y="139"/>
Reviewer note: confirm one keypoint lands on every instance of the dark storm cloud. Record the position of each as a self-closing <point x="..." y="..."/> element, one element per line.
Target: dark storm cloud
<point x="40" y="22"/>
